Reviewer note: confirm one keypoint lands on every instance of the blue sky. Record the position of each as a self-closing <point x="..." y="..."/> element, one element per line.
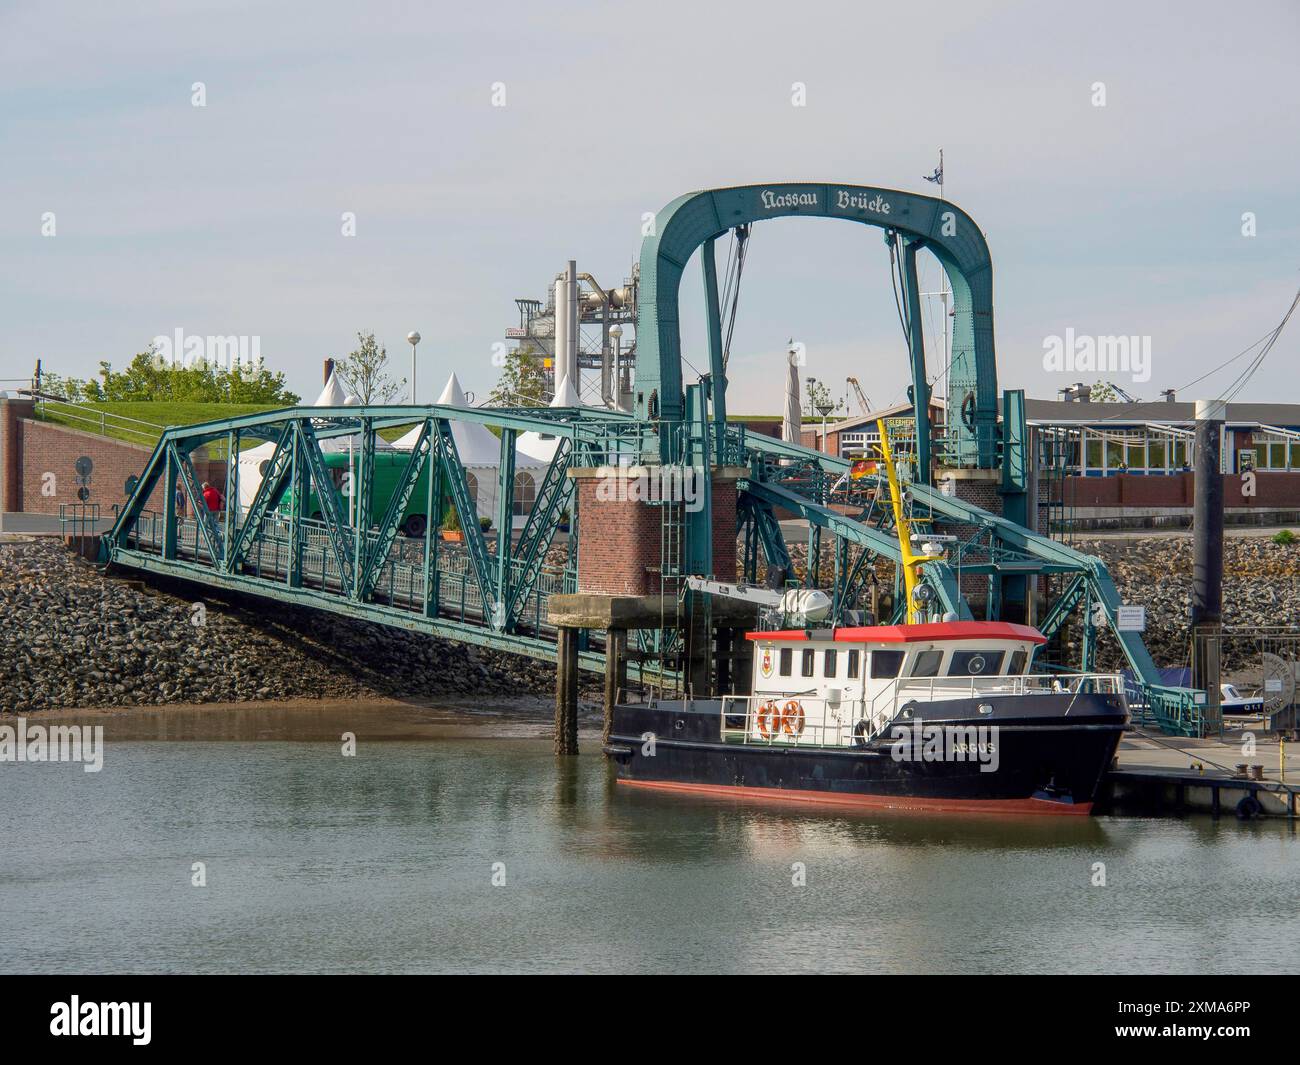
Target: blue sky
<point x="1122" y="219"/>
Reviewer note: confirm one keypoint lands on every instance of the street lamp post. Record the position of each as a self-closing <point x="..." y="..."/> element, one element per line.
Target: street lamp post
<point x="413" y="338"/>
<point x="824" y="409"/>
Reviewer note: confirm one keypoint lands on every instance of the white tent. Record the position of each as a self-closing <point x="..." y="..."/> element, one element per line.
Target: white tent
<point x="252" y="461"/>
<point x="480" y="454"/>
<point x="541" y="447"/>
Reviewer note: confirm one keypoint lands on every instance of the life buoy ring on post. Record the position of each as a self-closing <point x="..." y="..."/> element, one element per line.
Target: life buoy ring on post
<point x="768" y="720"/>
<point x="792" y="719"/>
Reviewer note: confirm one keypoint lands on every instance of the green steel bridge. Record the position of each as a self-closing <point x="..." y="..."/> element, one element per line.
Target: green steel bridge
<point x="493" y="591"/>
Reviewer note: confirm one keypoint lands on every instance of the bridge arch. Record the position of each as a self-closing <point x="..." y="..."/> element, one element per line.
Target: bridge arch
<point x="698" y="218"/>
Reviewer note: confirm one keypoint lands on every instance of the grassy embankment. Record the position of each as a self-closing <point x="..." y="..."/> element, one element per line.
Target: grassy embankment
<point x="142" y="421"/>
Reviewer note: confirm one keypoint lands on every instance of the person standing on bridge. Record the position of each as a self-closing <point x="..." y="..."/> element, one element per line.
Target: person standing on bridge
<point x="212" y="498"/>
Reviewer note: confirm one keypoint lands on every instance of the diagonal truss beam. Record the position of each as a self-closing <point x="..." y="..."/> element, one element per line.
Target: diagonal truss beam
<point x="539" y="530"/>
<point x="397" y="504"/>
<point x="337" y="530"/>
<point x="198" y="505"/>
<point x="272" y="487"/>
<point x="134" y="507"/>
<point x="936" y="574"/>
<point x="475" y="544"/>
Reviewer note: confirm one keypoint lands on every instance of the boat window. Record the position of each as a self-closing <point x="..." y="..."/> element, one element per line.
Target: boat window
<point x="853" y="664"/>
<point x="1019" y="659"/>
<point x="806" y="664"/>
<point x="886" y="664"/>
<point x="926" y="663"/>
<point x="828" y="664"/>
<point x="786" y="657"/>
<point x="975" y="663"/>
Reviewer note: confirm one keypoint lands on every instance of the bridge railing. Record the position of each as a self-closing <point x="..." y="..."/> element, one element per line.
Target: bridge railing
<point x="401" y="579"/>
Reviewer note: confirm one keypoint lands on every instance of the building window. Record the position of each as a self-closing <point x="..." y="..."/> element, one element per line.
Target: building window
<point x="1093" y="452"/>
<point x="786" y="657"/>
<point x="806" y="664"/>
<point x="1156" y="455"/>
<point x="852" y="445"/>
<point x="525" y="494"/>
<point x="829" y="664"/>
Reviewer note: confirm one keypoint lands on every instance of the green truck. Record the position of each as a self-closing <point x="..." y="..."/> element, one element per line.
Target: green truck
<point x="389" y="466"/>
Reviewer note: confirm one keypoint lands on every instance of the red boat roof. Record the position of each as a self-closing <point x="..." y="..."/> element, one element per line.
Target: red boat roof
<point x="938" y="630"/>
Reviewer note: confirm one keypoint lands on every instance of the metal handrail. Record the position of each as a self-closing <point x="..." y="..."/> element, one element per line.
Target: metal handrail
<point x="900" y="692"/>
<point x="94" y="416"/>
<point x="80" y="518"/>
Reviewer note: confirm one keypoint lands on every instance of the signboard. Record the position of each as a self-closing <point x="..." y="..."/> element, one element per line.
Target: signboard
<point x="514" y="332"/>
<point x="1131" y="618"/>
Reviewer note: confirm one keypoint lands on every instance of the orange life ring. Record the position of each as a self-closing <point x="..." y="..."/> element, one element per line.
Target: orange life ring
<point x="792" y="718"/>
<point x="768" y="720"/>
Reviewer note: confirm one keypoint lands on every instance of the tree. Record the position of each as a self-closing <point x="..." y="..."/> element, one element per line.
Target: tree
<point x="364" y="372"/>
<point x="151" y="377"/>
<point x="818" y="395"/>
<point x="522" y="382"/>
<point x="1103" y="392"/>
<point x="69" y="388"/>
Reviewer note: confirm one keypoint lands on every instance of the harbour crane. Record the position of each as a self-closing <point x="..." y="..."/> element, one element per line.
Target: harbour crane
<point x="857" y="390"/>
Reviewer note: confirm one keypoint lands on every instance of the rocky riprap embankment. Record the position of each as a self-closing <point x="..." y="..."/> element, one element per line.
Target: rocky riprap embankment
<point x="71" y="637"/>
<point x="1261" y="590"/>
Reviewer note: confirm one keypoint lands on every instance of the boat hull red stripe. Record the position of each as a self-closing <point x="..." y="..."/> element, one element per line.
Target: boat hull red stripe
<point x="891" y="802"/>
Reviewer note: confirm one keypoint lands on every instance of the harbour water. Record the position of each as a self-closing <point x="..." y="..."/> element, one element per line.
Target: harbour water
<point x="471" y="848"/>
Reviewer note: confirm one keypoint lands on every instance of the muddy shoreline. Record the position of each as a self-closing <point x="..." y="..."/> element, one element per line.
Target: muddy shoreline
<point x="378" y="719"/>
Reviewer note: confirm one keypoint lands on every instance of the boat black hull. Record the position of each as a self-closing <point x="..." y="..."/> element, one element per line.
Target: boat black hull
<point x="1047" y="760"/>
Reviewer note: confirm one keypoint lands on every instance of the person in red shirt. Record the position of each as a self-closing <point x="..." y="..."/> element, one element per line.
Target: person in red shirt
<point x="212" y="498"/>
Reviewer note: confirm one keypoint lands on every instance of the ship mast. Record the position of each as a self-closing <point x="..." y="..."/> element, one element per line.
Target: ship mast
<point x="912" y="562"/>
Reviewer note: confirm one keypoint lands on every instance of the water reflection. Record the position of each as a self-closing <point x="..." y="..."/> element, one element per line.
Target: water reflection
<point x="385" y="862"/>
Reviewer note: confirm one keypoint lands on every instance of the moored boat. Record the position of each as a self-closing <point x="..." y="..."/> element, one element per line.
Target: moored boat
<point x="942" y="716"/>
